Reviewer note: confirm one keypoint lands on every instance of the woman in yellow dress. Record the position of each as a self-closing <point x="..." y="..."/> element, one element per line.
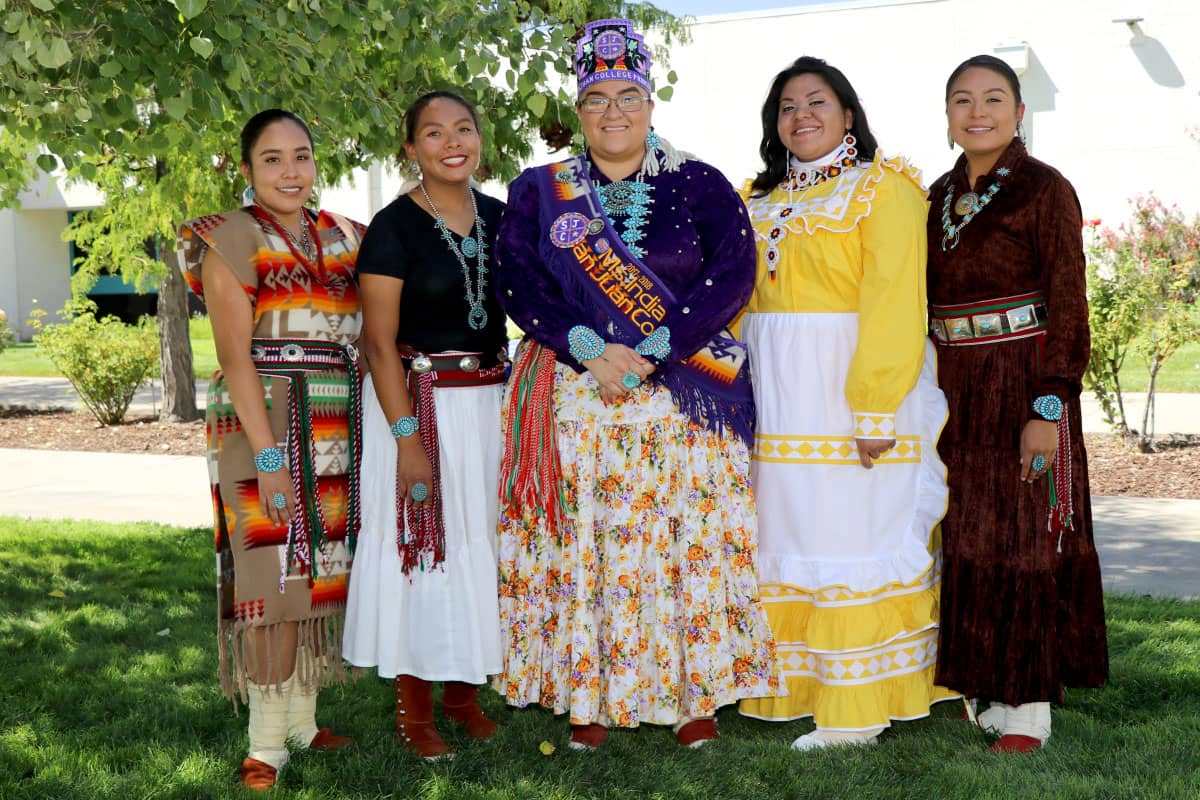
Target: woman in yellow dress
<point x="849" y="486"/>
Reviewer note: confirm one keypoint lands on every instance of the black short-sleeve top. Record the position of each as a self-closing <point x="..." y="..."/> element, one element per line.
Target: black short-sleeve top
<point x="403" y="241"/>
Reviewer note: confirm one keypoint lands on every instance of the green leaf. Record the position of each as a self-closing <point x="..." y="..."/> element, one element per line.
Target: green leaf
<point x="44" y="5"/>
<point x="475" y="63"/>
<point x="111" y="69"/>
<point x="177" y="107"/>
<point x="202" y="46"/>
<point x="666" y="92"/>
<point x="537" y="104"/>
<point x="83" y="113"/>
<point x="190" y="9"/>
<point x="54" y="56"/>
<point x="13" y="21"/>
<point x="672" y="77"/>
<point x="47" y="162"/>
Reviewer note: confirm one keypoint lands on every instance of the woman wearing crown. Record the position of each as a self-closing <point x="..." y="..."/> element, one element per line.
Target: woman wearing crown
<point x="1022" y="605"/>
<point x="627" y="540"/>
<point x="849" y="484"/>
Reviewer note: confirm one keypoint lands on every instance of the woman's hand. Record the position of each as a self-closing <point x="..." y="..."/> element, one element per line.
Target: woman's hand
<point x="1038" y="438"/>
<point x="616" y="362"/>
<point x="871" y="449"/>
<point x="270" y="484"/>
<point x="412" y="467"/>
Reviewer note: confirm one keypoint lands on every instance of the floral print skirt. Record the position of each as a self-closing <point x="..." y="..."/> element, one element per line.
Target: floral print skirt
<point x="646" y="608"/>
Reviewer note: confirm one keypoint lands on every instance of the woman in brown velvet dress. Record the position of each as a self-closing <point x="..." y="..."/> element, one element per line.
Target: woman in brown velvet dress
<point x="1022" y="606"/>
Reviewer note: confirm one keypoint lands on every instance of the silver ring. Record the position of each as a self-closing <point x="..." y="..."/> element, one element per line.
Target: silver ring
<point x="418" y="492"/>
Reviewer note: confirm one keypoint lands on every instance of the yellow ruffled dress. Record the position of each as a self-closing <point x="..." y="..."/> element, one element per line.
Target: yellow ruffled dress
<point x="849" y="558"/>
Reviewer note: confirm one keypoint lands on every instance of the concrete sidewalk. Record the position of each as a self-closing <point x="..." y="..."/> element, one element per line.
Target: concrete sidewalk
<point x="1147" y="546"/>
<point x="54" y="394"/>
<point x="1173" y="413"/>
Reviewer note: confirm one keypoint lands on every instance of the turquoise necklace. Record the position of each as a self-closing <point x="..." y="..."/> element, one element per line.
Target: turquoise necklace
<point x="629" y="201"/>
<point x="477" y="316"/>
<point x="967" y="207"/>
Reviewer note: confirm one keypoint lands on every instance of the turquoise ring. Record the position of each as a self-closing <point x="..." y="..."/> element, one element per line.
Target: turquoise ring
<point x="279" y="500"/>
<point x="419" y="492"/>
<point x="630" y="380"/>
<point x="1038" y="463"/>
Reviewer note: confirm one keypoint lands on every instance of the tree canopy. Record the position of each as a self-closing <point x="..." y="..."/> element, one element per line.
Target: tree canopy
<point x="145" y="98"/>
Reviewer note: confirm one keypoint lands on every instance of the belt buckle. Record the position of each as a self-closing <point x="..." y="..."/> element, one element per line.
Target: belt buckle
<point x="422" y="363"/>
<point x="959" y="328"/>
<point x="987" y="325"/>
<point x="468" y="364"/>
<point x="1021" y="318"/>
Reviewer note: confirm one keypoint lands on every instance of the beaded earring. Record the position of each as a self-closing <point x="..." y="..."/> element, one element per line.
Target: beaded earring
<point x="652" y="141"/>
<point x="850" y="142"/>
<point x="248" y="196"/>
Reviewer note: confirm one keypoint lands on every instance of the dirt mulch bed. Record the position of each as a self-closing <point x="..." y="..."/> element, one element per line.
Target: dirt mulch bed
<point x="1172" y="471"/>
<point x="69" y="430"/>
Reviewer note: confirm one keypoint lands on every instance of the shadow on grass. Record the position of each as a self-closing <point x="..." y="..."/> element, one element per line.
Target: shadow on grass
<point x="110" y="692"/>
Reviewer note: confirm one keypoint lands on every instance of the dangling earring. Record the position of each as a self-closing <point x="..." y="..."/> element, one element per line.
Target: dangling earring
<point x="652" y="141"/>
<point x="949" y="139"/>
<point x="414" y="170"/>
<point x="248" y="196"/>
<point x="849" y="141"/>
<point x="1021" y="131"/>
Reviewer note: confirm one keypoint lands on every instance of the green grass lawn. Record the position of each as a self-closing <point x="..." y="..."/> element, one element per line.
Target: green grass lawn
<point x="110" y="692"/>
<point x="23" y="358"/>
<point x="1180" y="374"/>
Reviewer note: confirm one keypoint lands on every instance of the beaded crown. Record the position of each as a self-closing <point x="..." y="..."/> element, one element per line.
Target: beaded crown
<point x="609" y="50"/>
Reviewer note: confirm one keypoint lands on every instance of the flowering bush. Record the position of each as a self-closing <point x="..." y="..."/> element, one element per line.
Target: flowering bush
<point x="7" y="336"/>
<point x="1143" y="279"/>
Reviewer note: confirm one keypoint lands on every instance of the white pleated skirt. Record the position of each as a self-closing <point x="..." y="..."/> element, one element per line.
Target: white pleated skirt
<point x="441" y="624"/>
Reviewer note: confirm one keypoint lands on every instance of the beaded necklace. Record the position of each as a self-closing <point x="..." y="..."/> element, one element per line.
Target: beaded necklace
<point x="306" y="248"/>
<point x="477" y="316"/>
<point x="967" y="207"/>
<point x="629" y="201"/>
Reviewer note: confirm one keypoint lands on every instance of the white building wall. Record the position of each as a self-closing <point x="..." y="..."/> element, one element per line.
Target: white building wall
<point x="1108" y="106"/>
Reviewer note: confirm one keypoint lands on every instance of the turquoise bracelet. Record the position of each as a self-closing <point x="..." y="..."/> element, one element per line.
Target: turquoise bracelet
<point x="269" y="459"/>
<point x="584" y="343"/>
<point x="404" y="427"/>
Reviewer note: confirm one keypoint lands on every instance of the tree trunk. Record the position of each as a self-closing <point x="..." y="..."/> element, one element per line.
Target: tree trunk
<point x="175" y="350"/>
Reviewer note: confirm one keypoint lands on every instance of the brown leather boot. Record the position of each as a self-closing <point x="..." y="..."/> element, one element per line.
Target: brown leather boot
<point x="460" y="702"/>
<point x="414" y="718"/>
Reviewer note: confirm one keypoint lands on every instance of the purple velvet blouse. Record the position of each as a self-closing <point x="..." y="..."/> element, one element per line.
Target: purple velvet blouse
<point x="698" y="241"/>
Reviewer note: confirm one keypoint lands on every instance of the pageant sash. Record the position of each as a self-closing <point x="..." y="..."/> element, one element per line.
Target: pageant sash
<point x="712" y="386"/>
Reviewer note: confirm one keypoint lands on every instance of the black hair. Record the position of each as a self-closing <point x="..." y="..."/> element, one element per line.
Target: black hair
<point x="413" y="115"/>
<point x="253" y="129"/>
<point x="774" y="153"/>
<point x="999" y="66"/>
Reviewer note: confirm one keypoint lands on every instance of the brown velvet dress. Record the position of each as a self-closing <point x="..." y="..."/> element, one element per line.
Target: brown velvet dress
<point x="1020" y="621"/>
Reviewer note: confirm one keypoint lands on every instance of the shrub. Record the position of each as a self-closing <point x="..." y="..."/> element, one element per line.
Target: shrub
<point x="1143" y="279"/>
<point x="7" y="336"/>
<point x="104" y="359"/>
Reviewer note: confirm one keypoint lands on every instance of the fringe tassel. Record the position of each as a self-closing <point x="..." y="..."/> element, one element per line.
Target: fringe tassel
<point x="534" y="477"/>
<point x="664" y="158"/>
<point x="424" y="547"/>
<point x="1062" y="496"/>
<point x="322" y="636"/>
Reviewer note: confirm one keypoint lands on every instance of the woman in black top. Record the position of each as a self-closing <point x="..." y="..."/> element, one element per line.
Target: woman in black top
<point x="423" y="601"/>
